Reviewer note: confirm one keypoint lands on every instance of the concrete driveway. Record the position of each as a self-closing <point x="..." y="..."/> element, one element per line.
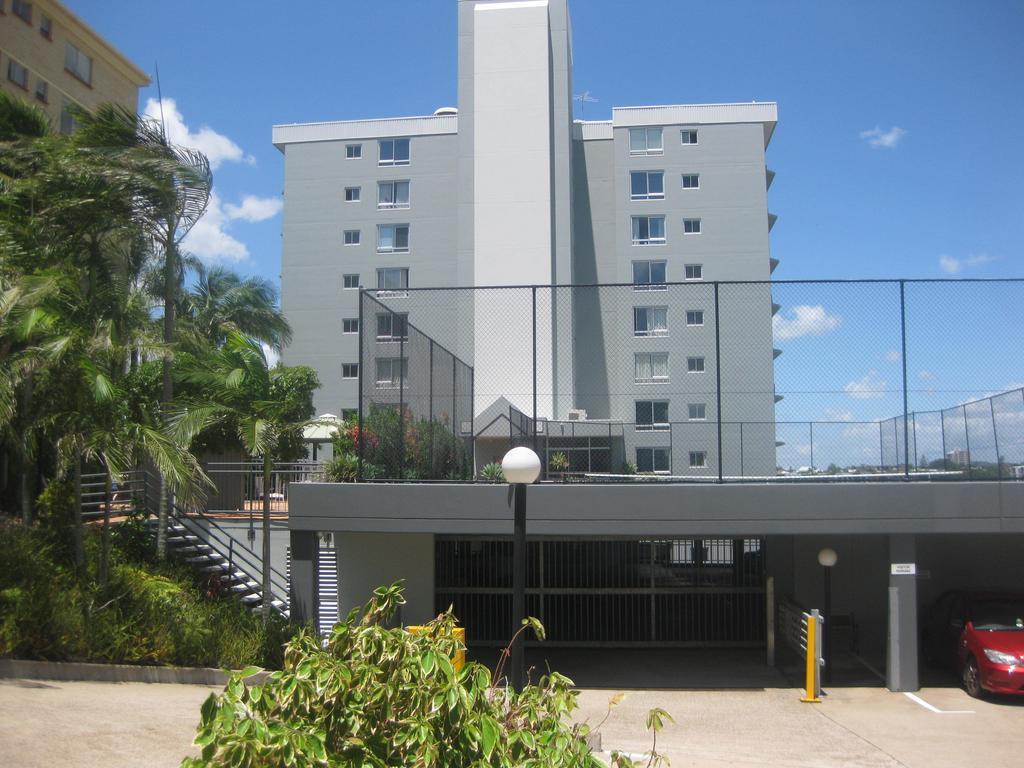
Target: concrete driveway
<point x="46" y="723"/>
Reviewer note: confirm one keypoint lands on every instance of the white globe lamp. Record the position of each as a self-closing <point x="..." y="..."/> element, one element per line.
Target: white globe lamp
<point x="827" y="557"/>
<point x="521" y="466"/>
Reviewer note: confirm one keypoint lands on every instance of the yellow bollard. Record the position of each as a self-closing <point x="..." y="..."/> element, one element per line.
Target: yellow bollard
<point x="460" y="634"/>
<point x="810" y="692"/>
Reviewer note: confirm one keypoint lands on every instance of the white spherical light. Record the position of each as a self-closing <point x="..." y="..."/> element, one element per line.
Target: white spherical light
<point x="828" y="557"/>
<point x="521" y="465"/>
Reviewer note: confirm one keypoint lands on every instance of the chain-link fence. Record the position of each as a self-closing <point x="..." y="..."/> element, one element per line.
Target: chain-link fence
<point x="696" y="381"/>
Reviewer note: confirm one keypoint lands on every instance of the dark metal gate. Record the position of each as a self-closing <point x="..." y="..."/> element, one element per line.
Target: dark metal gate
<point x="610" y="592"/>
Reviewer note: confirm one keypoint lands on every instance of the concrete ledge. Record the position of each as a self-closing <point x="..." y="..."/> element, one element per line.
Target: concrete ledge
<point x="115" y="673"/>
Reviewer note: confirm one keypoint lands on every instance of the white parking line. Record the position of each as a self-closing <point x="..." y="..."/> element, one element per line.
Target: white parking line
<point x="936" y="710"/>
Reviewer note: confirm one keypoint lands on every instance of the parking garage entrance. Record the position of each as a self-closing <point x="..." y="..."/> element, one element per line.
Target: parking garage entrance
<point x="701" y="593"/>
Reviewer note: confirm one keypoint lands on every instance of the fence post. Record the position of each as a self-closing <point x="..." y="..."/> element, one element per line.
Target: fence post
<point x="810" y="425"/>
<point x="362" y="373"/>
<point x="942" y="429"/>
<point x="881" y="449"/>
<point x="430" y="399"/>
<point x="995" y="439"/>
<point x="967" y="439"/>
<point x="718" y="381"/>
<point x="534" y="313"/>
<point x="742" y="471"/>
<point x="913" y="421"/>
<point x="401" y="401"/>
<point x="903" y="355"/>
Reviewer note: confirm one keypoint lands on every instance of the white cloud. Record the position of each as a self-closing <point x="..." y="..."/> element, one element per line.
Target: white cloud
<point x="838" y="414"/>
<point x="254" y="208"/>
<point x="273" y="358"/>
<point x="804" y="320"/>
<point x="893" y="356"/>
<point x="868" y="387"/>
<point x="925" y="375"/>
<point x="952" y="266"/>
<point x="877" y="138"/>
<point x="217" y="147"/>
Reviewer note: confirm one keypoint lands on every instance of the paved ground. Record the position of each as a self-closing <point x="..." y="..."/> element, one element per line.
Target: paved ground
<point x="131" y="724"/>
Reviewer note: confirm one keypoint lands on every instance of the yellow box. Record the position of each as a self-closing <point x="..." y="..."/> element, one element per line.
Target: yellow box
<point x="460" y="634"/>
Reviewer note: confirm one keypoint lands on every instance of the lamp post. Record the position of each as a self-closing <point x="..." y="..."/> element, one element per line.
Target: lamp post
<point x="827" y="558"/>
<point x="521" y="466"/>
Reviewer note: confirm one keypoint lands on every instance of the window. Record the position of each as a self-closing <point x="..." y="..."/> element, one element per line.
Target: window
<point x="691" y="226"/>
<point x="648" y="275"/>
<point x="652" y="460"/>
<point x="78" y="64"/>
<point x="695" y="365"/>
<point x="353" y="151"/>
<point x="688" y="135"/>
<point x="695" y="317"/>
<point x="651" y="367"/>
<point x="67" y="120"/>
<point x="350" y="325"/>
<point x="696" y="411"/>
<point x="46" y="27"/>
<point x="691" y="181"/>
<point x="393" y="194"/>
<point x="351" y="194"/>
<point x="392" y="238"/>
<point x="648" y="230"/>
<point x="351" y="237"/>
<point x="391" y="371"/>
<point x="42" y="91"/>
<point x="650" y="321"/>
<point x="647" y="185"/>
<point x="394" y="279"/>
<point x="350" y="370"/>
<point x="392" y="326"/>
<point x="698" y="459"/>
<point x="350" y="281"/>
<point x="393" y="152"/>
<point x="645" y="141"/>
<point x="693" y="272"/>
<point x="651" y="414"/>
<point x="22" y="10"/>
<point x="17" y="74"/>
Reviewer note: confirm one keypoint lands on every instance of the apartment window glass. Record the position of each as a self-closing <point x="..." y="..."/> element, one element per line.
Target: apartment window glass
<point x="22" y="9"/>
<point x="350" y="370"/>
<point x="392" y="238"/>
<point x="391" y="371"/>
<point x="693" y="272"/>
<point x="350" y="281"/>
<point x="691" y="226"/>
<point x="42" y="91"/>
<point x="647" y="185"/>
<point x="651" y="367"/>
<point x="394" y="279"/>
<point x="645" y="141"/>
<point x="695" y="364"/>
<point x="350" y="325"/>
<point x="46" y="27"/>
<point x="688" y="135"/>
<point x="648" y="275"/>
<point x="393" y="194"/>
<point x="691" y="181"/>
<point x="652" y="460"/>
<point x="351" y="194"/>
<point x="651" y="414"/>
<point x="353" y="151"/>
<point x="77" y="63"/>
<point x="648" y="230"/>
<point x="650" y="321"/>
<point x="695" y="317"/>
<point x="393" y="152"/>
<point x="392" y="326"/>
<point x="698" y="459"/>
<point x="17" y="74"/>
<point x="67" y="120"/>
<point x="696" y="411"/>
<point x="351" y="237"/>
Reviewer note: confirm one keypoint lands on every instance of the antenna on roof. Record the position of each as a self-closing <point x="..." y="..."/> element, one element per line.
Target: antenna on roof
<point x="583" y="98"/>
<point x="160" y="98"/>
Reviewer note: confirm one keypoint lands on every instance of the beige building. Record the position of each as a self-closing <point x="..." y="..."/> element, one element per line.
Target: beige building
<point x="54" y="59"/>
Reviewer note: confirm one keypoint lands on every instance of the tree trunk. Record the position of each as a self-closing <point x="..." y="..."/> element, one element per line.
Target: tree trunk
<point x="104" y="570"/>
<point x="28" y="468"/>
<point x="268" y="473"/>
<point x="167" y="394"/>
<point x="77" y="531"/>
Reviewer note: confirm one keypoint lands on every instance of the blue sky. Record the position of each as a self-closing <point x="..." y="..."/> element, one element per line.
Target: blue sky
<point x="898" y="150"/>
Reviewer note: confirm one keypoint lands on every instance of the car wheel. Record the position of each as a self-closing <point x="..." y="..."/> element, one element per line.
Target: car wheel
<point x="971" y="679"/>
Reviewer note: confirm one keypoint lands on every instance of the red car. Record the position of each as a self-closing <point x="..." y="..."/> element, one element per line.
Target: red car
<point x="981" y="635"/>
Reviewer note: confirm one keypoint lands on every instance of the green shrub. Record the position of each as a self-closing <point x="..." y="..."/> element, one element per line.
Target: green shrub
<point x="492" y="473"/>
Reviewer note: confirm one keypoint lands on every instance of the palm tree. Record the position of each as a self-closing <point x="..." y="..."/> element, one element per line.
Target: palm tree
<point x="221" y="302"/>
<point x="258" y="401"/>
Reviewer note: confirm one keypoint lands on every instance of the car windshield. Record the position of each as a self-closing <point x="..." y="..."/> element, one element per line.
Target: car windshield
<point x="1004" y="615"/>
